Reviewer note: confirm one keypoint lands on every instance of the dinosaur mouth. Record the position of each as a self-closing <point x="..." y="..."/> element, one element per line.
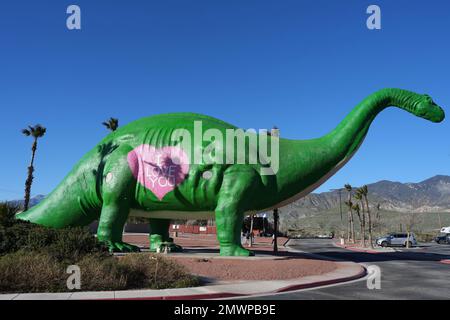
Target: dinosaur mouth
<point x="437" y="116"/>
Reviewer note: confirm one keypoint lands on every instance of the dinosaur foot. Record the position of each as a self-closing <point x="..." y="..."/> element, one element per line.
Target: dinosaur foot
<point x="235" y="250"/>
<point x="119" y="246"/>
<point x="157" y="244"/>
<point x="165" y="245"/>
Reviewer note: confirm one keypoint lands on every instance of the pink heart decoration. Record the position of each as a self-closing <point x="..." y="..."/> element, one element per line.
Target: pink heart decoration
<point x="159" y="170"/>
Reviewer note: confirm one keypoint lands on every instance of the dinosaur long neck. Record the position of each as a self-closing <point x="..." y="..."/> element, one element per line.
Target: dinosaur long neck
<point x="306" y="164"/>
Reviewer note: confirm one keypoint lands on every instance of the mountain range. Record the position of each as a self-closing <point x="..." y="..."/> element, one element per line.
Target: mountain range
<point x="431" y="195"/>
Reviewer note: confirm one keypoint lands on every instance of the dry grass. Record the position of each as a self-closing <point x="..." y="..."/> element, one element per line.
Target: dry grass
<point x="31" y="271"/>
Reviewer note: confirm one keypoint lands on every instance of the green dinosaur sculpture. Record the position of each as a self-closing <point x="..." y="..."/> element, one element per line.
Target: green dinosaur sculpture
<point x="139" y="170"/>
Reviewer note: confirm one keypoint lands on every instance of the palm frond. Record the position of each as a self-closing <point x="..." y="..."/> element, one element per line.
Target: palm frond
<point x="112" y="124"/>
<point x="36" y="131"/>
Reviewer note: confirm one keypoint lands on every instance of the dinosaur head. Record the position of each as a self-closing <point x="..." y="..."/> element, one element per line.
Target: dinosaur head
<point x="426" y="108"/>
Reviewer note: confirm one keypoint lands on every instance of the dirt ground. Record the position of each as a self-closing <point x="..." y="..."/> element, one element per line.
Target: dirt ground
<point x="265" y="269"/>
<point x="265" y="266"/>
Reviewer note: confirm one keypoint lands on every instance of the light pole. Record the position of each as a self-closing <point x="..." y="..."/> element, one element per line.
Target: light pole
<point x="275" y="132"/>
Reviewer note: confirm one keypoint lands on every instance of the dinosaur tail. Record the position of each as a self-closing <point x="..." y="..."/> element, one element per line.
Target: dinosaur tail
<point x="74" y="202"/>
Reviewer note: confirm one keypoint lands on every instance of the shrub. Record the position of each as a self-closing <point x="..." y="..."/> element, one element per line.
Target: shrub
<point x="7" y="213"/>
<point x="101" y="273"/>
<point x="67" y="244"/>
<point x="70" y="244"/>
<point x="15" y="236"/>
<point x="34" y="258"/>
<point x="425" y="237"/>
<point x="31" y="271"/>
<point x="155" y="271"/>
<point x="25" y="271"/>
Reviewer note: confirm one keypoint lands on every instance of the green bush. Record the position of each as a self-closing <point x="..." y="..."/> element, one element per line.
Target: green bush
<point x="64" y="244"/>
<point x="70" y="244"/>
<point x="34" y="258"/>
<point x="425" y="237"/>
<point x="15" y="236"/>
<point x="7" y="213"/>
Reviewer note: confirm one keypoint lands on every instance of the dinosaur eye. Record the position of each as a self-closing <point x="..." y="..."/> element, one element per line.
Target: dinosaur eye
<point x="429" y="99"/>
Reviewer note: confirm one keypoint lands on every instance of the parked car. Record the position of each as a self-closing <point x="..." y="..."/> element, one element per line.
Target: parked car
<point x="443" y="238"/>
<point x="397" y="239"/>
<point x="445" y="230"/>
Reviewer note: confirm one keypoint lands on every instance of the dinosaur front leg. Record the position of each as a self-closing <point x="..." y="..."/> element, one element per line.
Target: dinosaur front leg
<point x="118" y="185"/>
<point x="234" y="199"/>
<point x="112" y="220"/>
<point x="159" y="234"/>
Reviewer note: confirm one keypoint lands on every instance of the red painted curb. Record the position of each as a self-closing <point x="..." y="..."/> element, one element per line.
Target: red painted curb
<point x="361" y="274"/>
<point x="188" y="297"/>
<point x="357" y="250"/>
<point x="231" y="295"/>
<point x="445" y="261"/>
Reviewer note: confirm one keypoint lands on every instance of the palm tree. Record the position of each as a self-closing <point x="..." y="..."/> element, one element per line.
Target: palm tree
<point x="365" y="192"/>
<point x="359" y="197"/>
<point x="378" y="211"/>
<point x="351" y="228"/>
<point x="112" y="124"/>
<point x="350" y="225"/>
<point x="35" y="132"/>
<point x="357" y="209"/>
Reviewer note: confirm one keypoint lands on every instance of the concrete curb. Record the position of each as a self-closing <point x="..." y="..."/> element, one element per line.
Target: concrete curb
<point x="361" y="249"/>
<point x="345" y="271"/>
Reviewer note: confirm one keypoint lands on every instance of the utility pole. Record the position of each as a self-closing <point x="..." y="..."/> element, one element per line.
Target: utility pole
<point x="440" y="222"/>
<point x="275" y="230"/>
<point x="251" y="230"/>
<point x="275" y="132"/>
<point x="340" y="199"/>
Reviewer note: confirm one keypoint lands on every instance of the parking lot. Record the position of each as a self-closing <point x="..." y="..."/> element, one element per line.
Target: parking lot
<point x="415" y="273"/>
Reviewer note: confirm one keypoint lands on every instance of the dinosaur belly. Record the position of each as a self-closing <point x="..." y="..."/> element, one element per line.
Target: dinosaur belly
<point x="317" y="184"/>
<point x="163" y="214"/>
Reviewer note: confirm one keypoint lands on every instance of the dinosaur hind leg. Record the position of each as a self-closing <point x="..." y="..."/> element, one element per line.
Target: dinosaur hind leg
<point x="236" y="190"/>
<point x="159" y="234"/>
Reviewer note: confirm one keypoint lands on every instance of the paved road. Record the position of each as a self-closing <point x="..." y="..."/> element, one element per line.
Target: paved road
<point x="406" y="274"/>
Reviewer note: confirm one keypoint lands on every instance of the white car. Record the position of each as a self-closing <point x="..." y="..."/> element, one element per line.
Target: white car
<point x="397" y="239"/>
<point x="445" y="230"/>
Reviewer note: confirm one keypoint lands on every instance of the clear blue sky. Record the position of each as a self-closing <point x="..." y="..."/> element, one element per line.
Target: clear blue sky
<point x="299" y="65"/>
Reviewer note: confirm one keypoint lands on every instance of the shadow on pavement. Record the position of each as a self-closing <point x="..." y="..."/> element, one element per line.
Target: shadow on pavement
<point x="361" y="257"/>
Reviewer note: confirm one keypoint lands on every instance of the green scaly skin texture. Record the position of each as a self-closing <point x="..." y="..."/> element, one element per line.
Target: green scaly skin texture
<point x="232" y="190"/>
